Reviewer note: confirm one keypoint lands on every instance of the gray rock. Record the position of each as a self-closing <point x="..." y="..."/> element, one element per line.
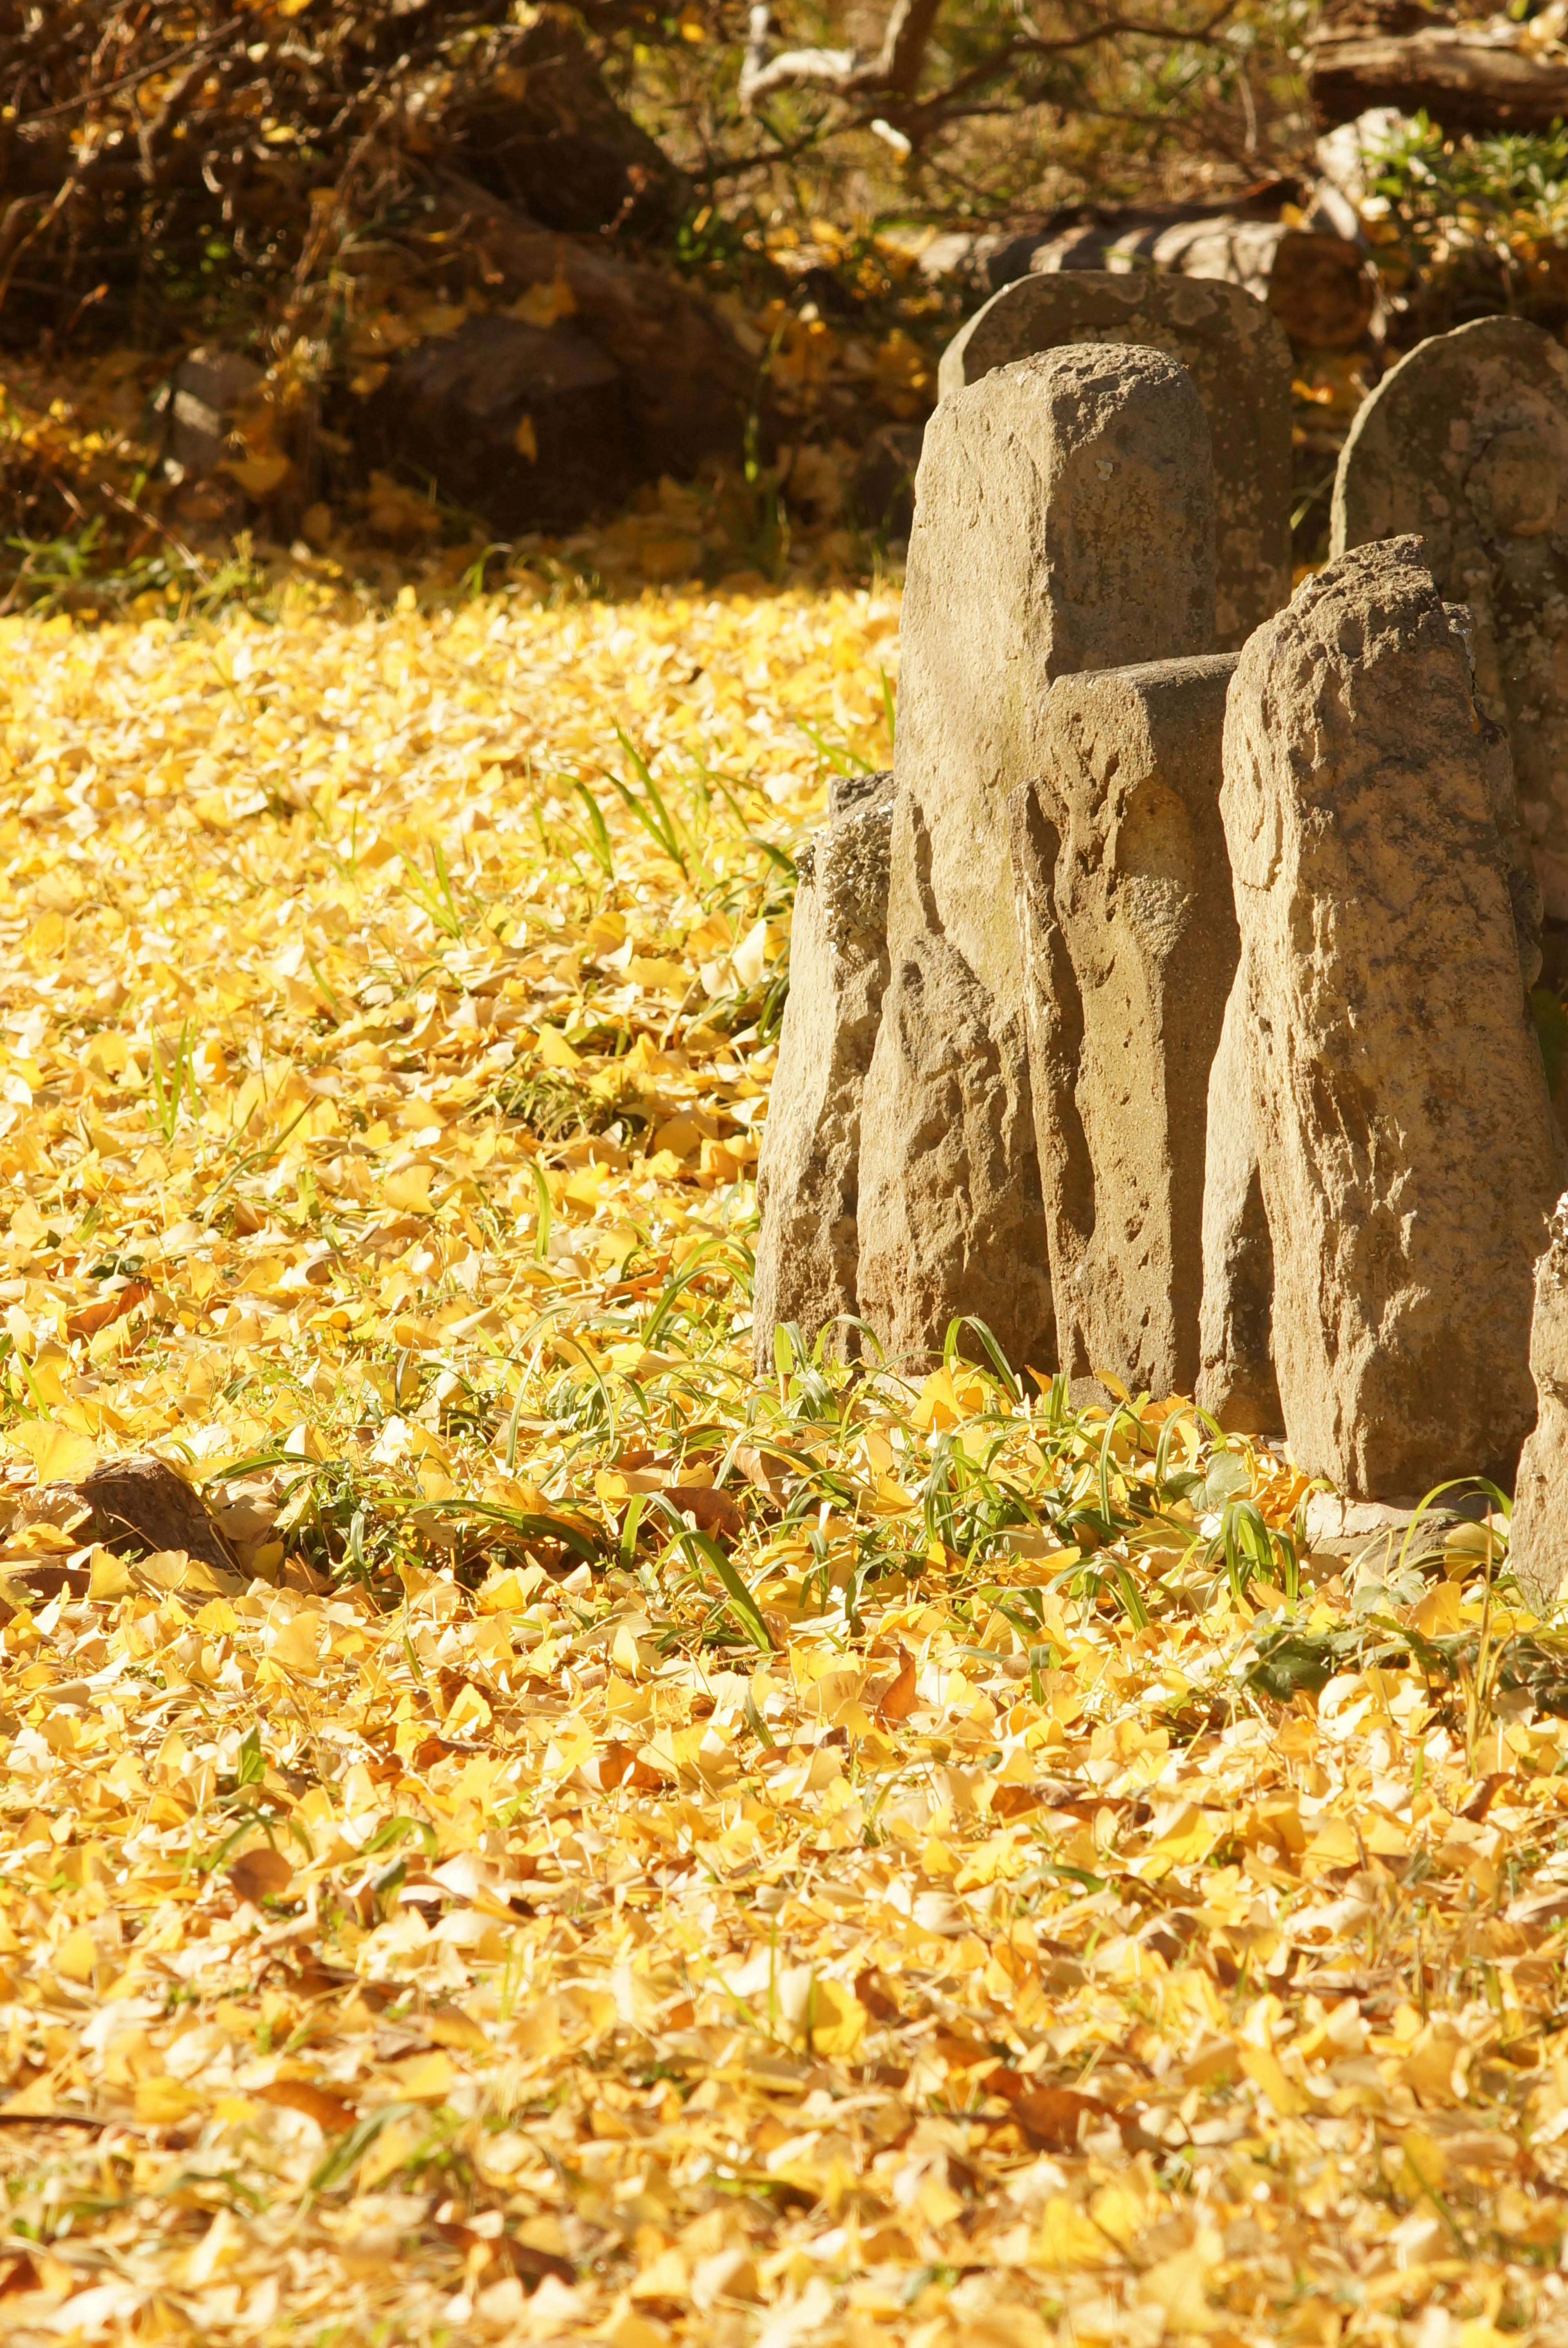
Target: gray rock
<point x="1042" y="490"/>
<point x="1466" y="442"/>
<point x="1405" y="1145"/>
<point x="808" y="1169"/>
<point x="1129" y="947"/>
<point x="1538" y="1550"/>
<point x="1237" y="1385"/>
<point x="136" y="1505"/>
<point x="1237" y="355"/>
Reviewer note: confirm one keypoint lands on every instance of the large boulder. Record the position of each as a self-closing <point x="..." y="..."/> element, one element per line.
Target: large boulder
<point x="538" y="127"/>
<point x="541" y="426"/>
<point x="531" y="426"/>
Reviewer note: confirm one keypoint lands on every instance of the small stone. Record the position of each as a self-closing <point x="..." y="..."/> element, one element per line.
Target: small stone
<point x="1237" y="355"/>
<point x="1538" y="1547"/>
<point x="808" y="1169"/>
<point x="1407" y="1149"/>
<point x="1380" y="1538"/>
<point x="1042" y="491"/>
<point x="1119" y="850"/>
<point x="207" y="391"/>
<point x="138" y="1506"/>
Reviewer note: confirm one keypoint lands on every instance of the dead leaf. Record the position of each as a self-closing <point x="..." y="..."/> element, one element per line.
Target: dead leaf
<point x="1055" y="2118"/>
<point x="714" y="1511"/>
<point x="94" y="1317"/>
<point x="260" y="1873"/>
<point x="897" y="1699"/>
<point x="330" y="2112"/>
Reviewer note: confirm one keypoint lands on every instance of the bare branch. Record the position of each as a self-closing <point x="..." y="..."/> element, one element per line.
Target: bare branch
<point x="838" y="69"/>
<point x="895" y="67"/>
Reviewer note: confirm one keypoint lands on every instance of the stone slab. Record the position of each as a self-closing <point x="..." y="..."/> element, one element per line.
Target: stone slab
<point x="1538" y="1550"/>
<point x="808" y="1171"/>
<point x="1236" y="1384"/>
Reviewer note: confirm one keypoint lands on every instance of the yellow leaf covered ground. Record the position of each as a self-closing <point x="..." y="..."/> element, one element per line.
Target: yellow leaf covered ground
<point x="632" y="1852"/>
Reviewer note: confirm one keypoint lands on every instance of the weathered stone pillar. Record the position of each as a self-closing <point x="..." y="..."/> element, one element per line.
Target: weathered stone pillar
<point x="1235" y="351"/>
<point x="1407" y="1149"/>
<point x="1538" y="1549"/>
<point x="808" y="1173"/>
<point x="1118" y="850"/>
<point x="1466" y="442"/>
<point x="1064" y="521"/>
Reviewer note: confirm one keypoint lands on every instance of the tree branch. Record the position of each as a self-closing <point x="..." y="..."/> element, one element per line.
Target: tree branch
<point x="895" y="67"/>
<point x="894" y="70"/>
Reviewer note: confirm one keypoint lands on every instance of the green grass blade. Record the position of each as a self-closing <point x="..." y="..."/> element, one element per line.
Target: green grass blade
<point x="542" y="1228"/>
<point x="741" y="1604"/>
<point x="599" y="843"/>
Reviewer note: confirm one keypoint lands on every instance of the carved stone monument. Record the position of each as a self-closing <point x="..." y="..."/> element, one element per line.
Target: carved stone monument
<point x="1064" y="522"/>
<point x="1130" y="946"/>
<point x="1236" y="352"/>
<point x="1466" y="442"/>
<point x="1407" y="1150"/>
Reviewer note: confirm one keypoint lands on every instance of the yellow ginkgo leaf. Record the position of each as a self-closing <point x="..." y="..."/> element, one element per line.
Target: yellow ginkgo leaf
<point x="62" y="1455"/>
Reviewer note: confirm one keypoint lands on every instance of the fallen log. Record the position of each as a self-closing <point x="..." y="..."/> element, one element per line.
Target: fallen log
<point x="1464" y="76"/>
<point x="1318" y="285"/>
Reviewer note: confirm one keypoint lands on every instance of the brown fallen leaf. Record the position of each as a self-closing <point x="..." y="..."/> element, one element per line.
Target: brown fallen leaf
<point x="94" y="1317"/>
<point x="714" y="1511"/>
<point x="613" y="1765"/>
<point x="897" y="1699"/>
<point x="1053" y="2117"/>
<point x="261" y="1874"/>
<point x="872" y="1991"/>
<point x="18" y="2275"/>
<point x="761" y="1469"/>
<point x="1016" y="1799"/>
<point x="1477" y="1803"/>
<point x="330" y="2112"/>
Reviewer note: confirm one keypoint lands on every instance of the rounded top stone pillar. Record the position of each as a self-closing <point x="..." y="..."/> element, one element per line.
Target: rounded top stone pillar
<point x="1236" y="352"/>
